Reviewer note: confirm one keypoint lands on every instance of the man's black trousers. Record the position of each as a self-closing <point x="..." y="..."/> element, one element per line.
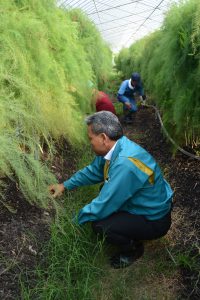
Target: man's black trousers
<point x="124" y="229"/>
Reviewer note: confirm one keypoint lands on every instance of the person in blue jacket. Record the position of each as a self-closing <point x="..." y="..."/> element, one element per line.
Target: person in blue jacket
<point x="126" y="94"/>
<point x="135" y="201"/>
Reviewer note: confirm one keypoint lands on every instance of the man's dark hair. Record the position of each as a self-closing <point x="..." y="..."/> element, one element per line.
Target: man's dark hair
<point x="105" y="122"/>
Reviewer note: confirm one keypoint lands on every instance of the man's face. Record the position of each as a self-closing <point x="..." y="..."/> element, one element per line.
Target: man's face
<point x="133" y="82"/>
<point x="97" y="142"/>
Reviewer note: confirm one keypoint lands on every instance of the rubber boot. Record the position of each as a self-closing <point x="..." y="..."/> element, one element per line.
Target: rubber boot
<point x="128" y="118"/>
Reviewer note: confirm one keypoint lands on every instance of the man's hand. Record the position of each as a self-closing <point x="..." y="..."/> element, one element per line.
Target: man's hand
<point x="56" y="189"/>
<point x="143" y="100"/>
<point x="128" y="105"/>
<point x="143" y="103"/>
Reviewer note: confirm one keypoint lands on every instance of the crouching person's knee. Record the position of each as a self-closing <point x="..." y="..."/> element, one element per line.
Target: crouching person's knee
<point x="97" y="228"/>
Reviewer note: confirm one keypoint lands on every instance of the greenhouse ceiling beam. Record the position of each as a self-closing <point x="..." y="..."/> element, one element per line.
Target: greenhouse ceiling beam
<point x="129" y="23"/>
<point x="121" y="9"/>
<point x="110" y="30"/>
<point x="77" y="3"/>
<point x="100" y="4"/>
<point x="124" y="17"/>
<point x="140" y="2"/>
<point x="72" y="2"/>
<point x="116" y="34"/>
<point x="119" y="2"/>
<point x="117" y="6"/>
<point x="87" y="7"/>
<point x="97" y="12"/>
<point x="135" y="22"/>
<point x="109" y="34"/>
<point x="144" y="21"/>
<point x="90" y="10"/>
<point x="85" y="4"/>
<point x="105" y="13"/>
<point x="111" y="2"/>
<point x="149" y="10"/>
<point x="134" y="14"/>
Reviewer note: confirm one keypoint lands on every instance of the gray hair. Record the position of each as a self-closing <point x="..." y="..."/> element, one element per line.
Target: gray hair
<point x="105" y="122"/>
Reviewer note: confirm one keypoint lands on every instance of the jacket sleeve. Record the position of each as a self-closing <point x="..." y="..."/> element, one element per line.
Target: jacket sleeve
<point x="91" y="174"/>
<point x="123" y="183"/>
<point x="121" y="92"/>
<point x="141" y="91"/>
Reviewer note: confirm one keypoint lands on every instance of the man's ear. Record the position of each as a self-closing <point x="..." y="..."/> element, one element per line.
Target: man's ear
<point x="104" y="137"/>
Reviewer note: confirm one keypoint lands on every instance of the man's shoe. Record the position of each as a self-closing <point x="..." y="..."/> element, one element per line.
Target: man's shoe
<point x="125" y="260"/>
<point x="128" y="120"/>
<point x="121" y="261"/>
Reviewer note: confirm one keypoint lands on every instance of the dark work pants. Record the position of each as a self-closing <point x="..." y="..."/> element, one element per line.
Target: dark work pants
<point x="124" y="229"/>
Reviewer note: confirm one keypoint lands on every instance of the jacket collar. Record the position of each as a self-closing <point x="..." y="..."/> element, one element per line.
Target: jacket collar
<point x="117" y="149"/>
<point x="108" y="156"/>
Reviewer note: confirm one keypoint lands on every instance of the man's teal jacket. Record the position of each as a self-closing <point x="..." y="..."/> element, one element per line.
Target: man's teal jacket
<point x="133" y="183"/>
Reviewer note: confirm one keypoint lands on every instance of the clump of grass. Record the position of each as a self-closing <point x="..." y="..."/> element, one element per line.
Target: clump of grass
<point x="72" y="259"/>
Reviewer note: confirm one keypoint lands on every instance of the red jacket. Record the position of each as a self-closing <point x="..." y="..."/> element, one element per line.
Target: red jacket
<point x="103" y="102"/>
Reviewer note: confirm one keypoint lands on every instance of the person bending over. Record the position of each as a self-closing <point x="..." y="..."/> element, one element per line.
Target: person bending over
<point x="135" y="201"/>
<point x="103" y="102"/>
<point x="126" y="94"/>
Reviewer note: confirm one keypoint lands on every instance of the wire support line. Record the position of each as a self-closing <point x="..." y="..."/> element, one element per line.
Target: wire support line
<point x="116" y="33"/>
<point x="121" y="26"/>
<point x="104" y="14"/>
<point x="111" y="7"/>
<point x="124" y="25"/>
<point x="88" y="7"/>
<point x="116" y="20"/>
<point x="133" y="2"/>
<point x="125" y="17"/>
<point x="64" y="3"/>
<point x="169" y="137"/>
<point x="112" y="2"/>
<point x="76" y="2"/>
<point x="157" y="6"/>
<point x="107" y="34"/>
<point x="61" y="4"/>
<point x="97" y="11"/>
<point x="121" y="5"/>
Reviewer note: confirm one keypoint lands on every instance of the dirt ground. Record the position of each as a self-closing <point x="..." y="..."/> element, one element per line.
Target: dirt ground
<point x="24" y="228"/>
<point x="183" y="173"/>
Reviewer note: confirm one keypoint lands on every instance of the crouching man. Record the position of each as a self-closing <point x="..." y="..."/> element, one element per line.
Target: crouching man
<point x="135" y="201"/>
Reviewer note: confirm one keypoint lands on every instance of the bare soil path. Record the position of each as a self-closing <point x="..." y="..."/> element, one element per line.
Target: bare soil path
<point x="183" y="173"/>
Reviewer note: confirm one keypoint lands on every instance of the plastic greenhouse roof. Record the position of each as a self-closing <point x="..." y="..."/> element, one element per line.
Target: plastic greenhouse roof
<point x="121" y="22"/>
